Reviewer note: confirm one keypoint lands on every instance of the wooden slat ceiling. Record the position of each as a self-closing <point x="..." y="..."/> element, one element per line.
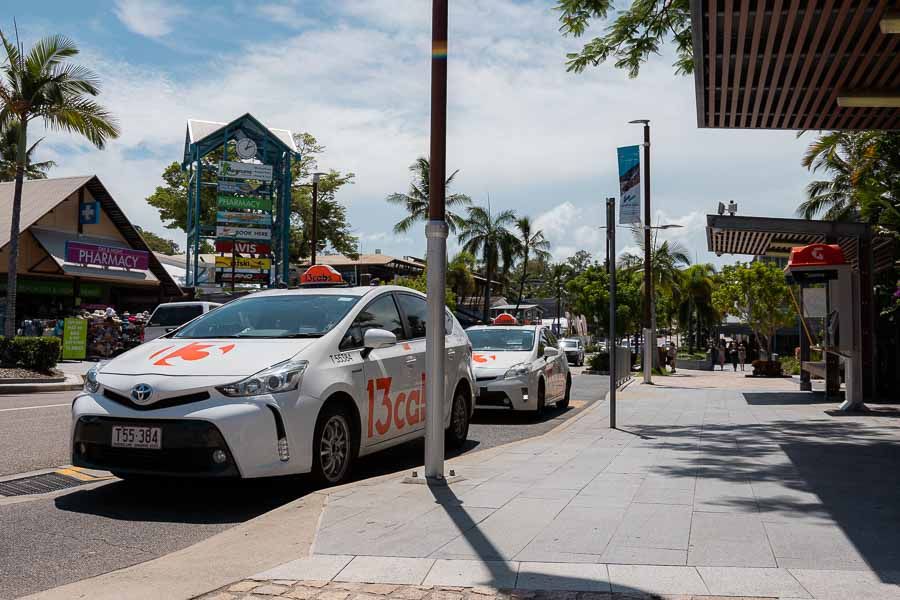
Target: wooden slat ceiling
<point x="781" y="64"/>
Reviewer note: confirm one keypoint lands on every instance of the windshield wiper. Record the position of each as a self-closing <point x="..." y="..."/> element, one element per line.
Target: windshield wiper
<point x="301" y="335"/>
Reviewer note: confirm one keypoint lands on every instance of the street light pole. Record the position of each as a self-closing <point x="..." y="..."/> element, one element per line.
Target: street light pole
<point x="436" y="232"/>
<point x="649" y="334"/>
<point x="314" y="230"/>
<point x="611" y="348"/>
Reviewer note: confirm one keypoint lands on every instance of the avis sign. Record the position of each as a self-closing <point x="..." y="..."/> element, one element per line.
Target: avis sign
<point x="242" y="247"/>
<point x="242" y="170"/>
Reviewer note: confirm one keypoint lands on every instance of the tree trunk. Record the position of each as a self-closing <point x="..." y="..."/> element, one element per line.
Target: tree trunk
<point x="485" y="315"/>
<point x="10" y="329"/>
<point x="522" y="283"/>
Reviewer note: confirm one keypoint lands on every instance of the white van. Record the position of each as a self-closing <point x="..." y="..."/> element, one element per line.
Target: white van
<point x="172" y="315"/>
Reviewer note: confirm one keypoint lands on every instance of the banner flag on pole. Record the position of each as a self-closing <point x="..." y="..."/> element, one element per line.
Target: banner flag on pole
<point x="629" y="184"/>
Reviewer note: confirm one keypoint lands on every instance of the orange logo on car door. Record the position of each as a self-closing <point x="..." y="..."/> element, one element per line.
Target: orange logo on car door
<point x="190" y="352"/>
<point x="483" y="358"/>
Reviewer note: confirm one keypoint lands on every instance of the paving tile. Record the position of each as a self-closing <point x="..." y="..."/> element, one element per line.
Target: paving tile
<point x="635" y="555"/>
<point x="731" y="581"/>
<point x="651" y="526"/>
<point x="244" y="586"/>
<point x="843" y="585"/>
<point x="470" y="573"/>
<point x="575" y="530"/>
<point x="322" y="567"/>
<point x="378" y="569"/>
<point x="729" y="540"/>
<point x="617" y="489"/>
<point x="561" y="576"/>
<point x="660" y="489"/>
<point x="270" y="590"/>
<point x="656" y="579"/>
<point x="716" y="495"/>
<point x="491" y="494"/>
<point x="812" y="546"/>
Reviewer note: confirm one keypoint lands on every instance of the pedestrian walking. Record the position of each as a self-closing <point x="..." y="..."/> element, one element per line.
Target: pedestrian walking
<point x="672" y="353"/>
<point x="721" y="351"/>
<point x="742" y="355"/>
<point x="732" y="351"/>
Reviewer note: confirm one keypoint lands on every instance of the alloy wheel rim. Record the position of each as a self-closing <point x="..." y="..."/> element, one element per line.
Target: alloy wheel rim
<point x="459" y="418"/>
<point x="334" y="447"/>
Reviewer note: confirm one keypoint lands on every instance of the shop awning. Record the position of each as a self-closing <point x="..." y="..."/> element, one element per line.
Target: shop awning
<point x="54" y="243"/>
<point x="801" y="65"/>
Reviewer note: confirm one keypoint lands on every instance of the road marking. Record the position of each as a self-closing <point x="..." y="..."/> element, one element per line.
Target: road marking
<point x="81" y="475"/>
<point x="36" y="407"/>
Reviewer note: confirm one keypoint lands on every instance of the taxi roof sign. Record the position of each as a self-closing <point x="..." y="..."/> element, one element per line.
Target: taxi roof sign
<point x="816" y="255"/>
<point x="321" y="276"/>
<point x="505" y="319"/>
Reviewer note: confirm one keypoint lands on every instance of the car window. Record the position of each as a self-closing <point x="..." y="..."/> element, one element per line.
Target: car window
<point x="416" y="310"/>
<point x="283" y="316"/>
<point x="515" y="340"/>
<point x="174" y="316"/>
<point x="381" y="313"/>
<point x="551" y="339"/>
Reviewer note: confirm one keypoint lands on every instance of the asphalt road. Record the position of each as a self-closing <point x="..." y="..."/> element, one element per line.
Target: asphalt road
<point x="83" y="532"/>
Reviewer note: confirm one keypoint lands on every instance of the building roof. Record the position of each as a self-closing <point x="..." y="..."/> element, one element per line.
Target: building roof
<point x="797" y="68"/>
<point x="203" y="133"/>
<point x="40" y="196"/>
<point x="340" y="260"/>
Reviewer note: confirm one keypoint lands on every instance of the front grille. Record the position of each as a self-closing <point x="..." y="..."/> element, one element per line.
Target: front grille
<point x="486" y="398"/>
<point x="187" y="447"/>
<point x="164" y="403"/>
<point x="485" y="378"/>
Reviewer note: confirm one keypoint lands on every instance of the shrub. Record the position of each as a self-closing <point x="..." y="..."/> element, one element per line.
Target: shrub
<point x="790" y="365"/>
<point x="766" y="368"/>
<point x="35" y="353"/>
<point x="600" y="362"/>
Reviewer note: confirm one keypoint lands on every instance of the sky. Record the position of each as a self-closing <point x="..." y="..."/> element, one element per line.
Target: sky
<point x="524" y="134"/>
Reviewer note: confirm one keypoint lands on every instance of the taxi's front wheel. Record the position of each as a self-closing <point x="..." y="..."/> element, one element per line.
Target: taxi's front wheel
<point x="332" y="445"/>
<point x="458" y="431"/>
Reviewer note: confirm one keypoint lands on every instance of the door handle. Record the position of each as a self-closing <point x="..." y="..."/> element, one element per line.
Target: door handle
<point x="410" y="361"/>
<point x="451" y="352"/>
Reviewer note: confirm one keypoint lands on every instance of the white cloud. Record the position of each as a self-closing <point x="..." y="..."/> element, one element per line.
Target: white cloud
<point x="150" y="18"/>
<point x="537" y="139"/>
<point x="288" y="13"/>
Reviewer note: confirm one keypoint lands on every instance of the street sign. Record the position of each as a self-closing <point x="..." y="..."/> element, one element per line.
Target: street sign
<point x="629" y="184"/>
<point x="242" y="170"/>
<point x="237" y="202"/>
<point x="242" y="247"/>
<point x="244" y="188"/>
<point x="74" y="343"/>
<point x="244" y="262"/>
<point x="243" y="218"/>
<point x="243" y="233"/>
<point x="207" y="230"/>
<point x="225" y="277"/>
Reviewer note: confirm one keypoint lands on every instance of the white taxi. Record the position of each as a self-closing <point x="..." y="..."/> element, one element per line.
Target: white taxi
<point x="275" y="383"/>
<point x="518" y="367"/>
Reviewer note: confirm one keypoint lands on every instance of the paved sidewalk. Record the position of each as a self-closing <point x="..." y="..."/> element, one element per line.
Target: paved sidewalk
<point x="713" y="489"/>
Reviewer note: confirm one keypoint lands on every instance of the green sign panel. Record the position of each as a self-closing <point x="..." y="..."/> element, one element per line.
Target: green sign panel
<point x="74" y="344"/>
<point x="233" y="202"/>
<point x="54" y="287"/>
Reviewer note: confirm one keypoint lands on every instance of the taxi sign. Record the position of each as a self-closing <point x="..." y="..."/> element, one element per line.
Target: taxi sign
<point x="505" y="319"/>
<point x="321" y="276"/>
<point x="816" y="255"/>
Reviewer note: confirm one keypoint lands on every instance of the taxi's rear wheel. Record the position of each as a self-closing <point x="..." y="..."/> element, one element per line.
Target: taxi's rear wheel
<point x="541" y="398"/>
<point x="564" y="403"/>
<point x="458" y="431"/>
<point x="332" y="445"/>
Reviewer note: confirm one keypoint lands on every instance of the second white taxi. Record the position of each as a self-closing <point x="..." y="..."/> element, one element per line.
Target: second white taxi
<point x="275" y="383"/>
<point x="518" y="367"/>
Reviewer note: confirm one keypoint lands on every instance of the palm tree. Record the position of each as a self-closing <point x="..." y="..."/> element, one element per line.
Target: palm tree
<point x="696" y="309"/>
<point x="416" y="200"/>
<point x="459" y="275"/>
<point x="530" y="241"/>
<point x="9" y="145"/>
<point x="41" y="84"/>
<point x="850" y="158"/>
<point x="486" y="234"/>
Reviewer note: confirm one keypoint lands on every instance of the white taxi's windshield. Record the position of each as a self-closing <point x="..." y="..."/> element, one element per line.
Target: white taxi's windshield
<point x="514" y="340"/>
<point x="289" y="316"/>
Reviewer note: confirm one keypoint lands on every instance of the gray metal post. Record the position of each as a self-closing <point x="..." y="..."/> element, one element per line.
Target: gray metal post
<point x="436" y="233"/>
<point x="611" y="343"/>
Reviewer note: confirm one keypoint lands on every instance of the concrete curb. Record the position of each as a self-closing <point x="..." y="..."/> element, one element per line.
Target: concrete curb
<point x="272" y="539"/>
<point x="70" y="382"/>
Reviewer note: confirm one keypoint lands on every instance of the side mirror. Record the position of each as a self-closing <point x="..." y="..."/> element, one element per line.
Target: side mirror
<point x="550" y="352"/>
<point x="377" y="338"/>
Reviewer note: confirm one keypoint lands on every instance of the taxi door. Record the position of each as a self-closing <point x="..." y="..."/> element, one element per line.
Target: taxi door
<point x="415" y="311"/>
<point x="391" y="384"/>
<point x="552" y="367"/>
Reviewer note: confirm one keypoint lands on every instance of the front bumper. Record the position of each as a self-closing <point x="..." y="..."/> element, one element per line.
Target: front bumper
<point x="510" y="394"/>
<point x="187" y="448"/>
<point x="573" y="357"/>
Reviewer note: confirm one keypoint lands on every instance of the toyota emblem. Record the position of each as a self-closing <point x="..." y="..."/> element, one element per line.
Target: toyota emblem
<point x="141" y="393"/>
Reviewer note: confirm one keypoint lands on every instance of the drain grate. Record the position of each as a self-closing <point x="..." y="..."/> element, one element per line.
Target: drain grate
<point x="38" y="484"/>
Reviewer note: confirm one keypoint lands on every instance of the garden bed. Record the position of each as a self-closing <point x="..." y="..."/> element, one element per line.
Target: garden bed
<point x="12" y="375"/>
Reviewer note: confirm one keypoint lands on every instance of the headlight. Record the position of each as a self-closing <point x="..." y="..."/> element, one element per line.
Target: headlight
<point x="91" y="378"/>
<point x="280" y="378"/>
<point x="518" y="370"/>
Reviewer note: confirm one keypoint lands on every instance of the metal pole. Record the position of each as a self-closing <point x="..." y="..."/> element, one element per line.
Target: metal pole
<point x="315" y="219"/>
<point x="611" y="344"/>
<point x="233" y="262"/>
<point x="436" y="233"/>
<point x="649" y="334"/>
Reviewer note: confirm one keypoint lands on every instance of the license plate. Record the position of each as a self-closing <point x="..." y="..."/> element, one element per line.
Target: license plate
<point x="137" y="437"/>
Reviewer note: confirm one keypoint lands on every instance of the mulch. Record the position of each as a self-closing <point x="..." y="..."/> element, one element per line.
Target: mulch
<point x="18" y="373"/>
